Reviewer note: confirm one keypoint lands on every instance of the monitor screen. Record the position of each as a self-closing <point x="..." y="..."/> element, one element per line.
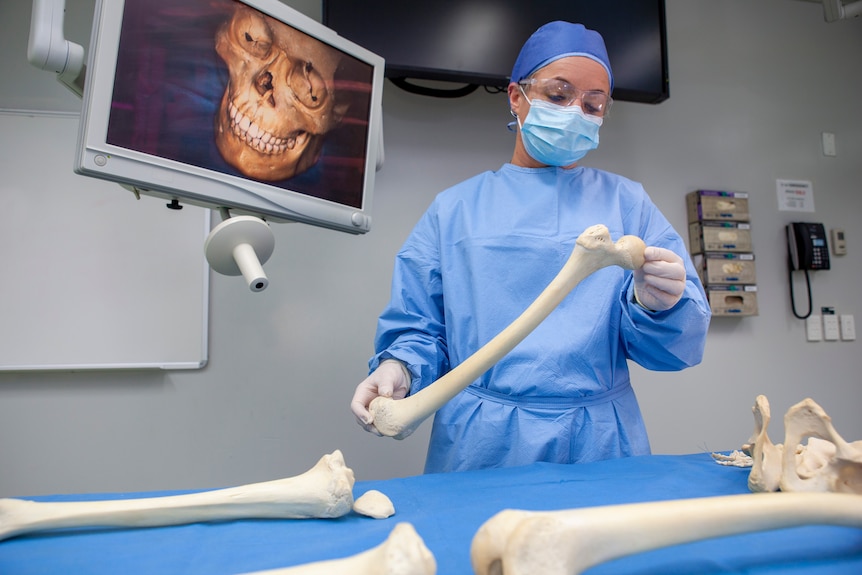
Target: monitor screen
<point x="246" y="105"/>
<point x="477" y="41"/>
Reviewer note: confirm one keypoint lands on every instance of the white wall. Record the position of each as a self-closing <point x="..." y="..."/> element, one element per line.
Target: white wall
<point x="753" y="85"/>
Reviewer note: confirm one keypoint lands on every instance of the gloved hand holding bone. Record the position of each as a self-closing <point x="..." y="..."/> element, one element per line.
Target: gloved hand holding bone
<point x="390" y="379"/>
<point x="660" y="283"/>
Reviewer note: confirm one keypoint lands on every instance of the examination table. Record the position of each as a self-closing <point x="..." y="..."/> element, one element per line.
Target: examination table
<point x="446" y="510"/>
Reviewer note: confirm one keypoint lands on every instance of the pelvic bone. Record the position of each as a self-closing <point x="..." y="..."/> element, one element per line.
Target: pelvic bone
<point x="403" y="553"/>
<point x="825" y="463"/>
<point x="324" y="491"/>
<point x="828" y="465"/>
<point x="766" y="457"/>
<point x="569" y="541"/>
<point x="593" y="250"/>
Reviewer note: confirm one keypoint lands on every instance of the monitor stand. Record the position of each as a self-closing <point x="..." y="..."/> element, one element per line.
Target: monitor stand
<point x="239" y="245"/>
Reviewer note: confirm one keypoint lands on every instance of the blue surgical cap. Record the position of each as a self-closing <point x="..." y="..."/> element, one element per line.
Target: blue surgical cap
<point x="557" y="40"/>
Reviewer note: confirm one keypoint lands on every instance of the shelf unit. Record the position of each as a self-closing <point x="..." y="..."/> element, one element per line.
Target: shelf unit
<point x="719" y="226"/>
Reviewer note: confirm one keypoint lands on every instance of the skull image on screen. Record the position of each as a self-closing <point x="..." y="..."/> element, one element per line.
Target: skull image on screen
<point x="279" y="102"/>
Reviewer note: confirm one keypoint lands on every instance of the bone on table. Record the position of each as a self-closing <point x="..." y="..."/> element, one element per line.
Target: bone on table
<point x="766" y="456"/>
<point x="825" y="463"/>
<point x="831" y="464"/>
<point x="402" y="553"/>
<point x="567" y="542"/>
<point x="374" y="504"/>
<point x="324" y="491"/>
<point x="593" y="250"/>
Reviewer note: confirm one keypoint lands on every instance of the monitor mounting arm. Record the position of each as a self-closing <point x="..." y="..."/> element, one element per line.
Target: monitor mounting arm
<point x="837" y="10"/>
<point x="48" y="48"/>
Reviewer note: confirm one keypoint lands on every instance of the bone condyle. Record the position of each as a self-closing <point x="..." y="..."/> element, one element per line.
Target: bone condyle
<point x="402" y="553"/>
<point x="324" y="491"/>
<point x="593" y="250"/>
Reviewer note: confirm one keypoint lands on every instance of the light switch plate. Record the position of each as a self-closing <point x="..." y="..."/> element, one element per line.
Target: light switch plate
<point x="830" y="328"/>
<point x="848" y="327"/>
<point x="813" y="328"/>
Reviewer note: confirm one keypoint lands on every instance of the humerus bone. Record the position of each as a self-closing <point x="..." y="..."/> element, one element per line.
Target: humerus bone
<point x="569" y="541"/>
<point x="593" y="250"/>
<point x="403" y="553"/>
<point x="324" y="491"/>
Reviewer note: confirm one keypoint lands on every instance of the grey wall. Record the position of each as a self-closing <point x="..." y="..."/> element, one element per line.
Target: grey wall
<point x="753" y="85"/>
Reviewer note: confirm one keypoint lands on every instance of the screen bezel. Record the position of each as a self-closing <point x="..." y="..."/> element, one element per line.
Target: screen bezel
<point x="173" y="180"/>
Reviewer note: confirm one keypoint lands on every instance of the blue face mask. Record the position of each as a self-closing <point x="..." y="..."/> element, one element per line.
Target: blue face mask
<point x="558" y="135"/>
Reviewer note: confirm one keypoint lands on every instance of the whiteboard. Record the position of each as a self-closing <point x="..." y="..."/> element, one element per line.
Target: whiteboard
<point x="91" y="277"/>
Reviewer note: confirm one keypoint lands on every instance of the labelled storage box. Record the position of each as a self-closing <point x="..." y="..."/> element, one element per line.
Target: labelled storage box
<point x="719" y="237"/>
<point x="732" y="300"/>
<point x="716" y="205"/>
<point x="725" y="268"/>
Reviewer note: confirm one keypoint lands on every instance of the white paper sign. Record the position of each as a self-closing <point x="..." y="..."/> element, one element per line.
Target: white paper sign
<point x="795" y="195"/>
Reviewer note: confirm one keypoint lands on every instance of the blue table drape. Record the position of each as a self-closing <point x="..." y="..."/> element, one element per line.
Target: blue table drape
<point x="446" y="510"/>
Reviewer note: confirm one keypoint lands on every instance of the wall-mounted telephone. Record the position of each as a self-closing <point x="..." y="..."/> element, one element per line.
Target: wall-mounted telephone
<point x="807" y="246"/>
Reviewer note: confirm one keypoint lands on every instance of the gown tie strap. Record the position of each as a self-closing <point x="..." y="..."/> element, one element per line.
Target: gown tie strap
<point x="556" y="401"/>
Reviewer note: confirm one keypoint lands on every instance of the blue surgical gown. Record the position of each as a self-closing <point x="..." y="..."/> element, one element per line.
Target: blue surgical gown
<point x="477" y="258"/>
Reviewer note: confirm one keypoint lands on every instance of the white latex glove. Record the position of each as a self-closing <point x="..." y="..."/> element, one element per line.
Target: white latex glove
<point x="660" y="283"/>
<point x="390" y="379"/>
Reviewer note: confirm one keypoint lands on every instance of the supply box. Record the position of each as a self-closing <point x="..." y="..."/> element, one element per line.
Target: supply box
<point x="718" y="206"/>
<point x="733" y="300"/>
<point x="725" y="268"/>
<point x="719" y="236"/>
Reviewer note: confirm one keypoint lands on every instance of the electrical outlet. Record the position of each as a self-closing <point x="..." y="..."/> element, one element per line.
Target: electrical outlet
<point x="848" y="327"/>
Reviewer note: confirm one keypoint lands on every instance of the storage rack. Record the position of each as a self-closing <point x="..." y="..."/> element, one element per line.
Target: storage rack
<point x="721" y="250"/>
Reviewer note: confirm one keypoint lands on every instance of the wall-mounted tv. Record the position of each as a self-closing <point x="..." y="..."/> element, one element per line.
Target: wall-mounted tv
<point x="246" y="105"/>
<point x="477" y="41"/>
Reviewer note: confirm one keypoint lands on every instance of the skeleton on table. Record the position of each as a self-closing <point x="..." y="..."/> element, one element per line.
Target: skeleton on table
<point x="280" y="100"/>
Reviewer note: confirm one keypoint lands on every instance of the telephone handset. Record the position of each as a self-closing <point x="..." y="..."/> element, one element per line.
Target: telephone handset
<point x="807" y="246"/>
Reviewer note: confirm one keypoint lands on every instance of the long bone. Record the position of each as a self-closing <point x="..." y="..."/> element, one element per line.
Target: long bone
<point x="402" y="553"/>
<point x="324" y="491"/>
<point x="593" y="250"/>
<point x="569" y="541"/>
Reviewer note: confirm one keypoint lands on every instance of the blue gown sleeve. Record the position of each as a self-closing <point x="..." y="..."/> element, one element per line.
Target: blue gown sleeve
<point x="672" y="339"/>
<point x="412" y="327"/>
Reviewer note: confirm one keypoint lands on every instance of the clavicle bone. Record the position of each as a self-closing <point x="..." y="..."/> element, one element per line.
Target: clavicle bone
<point x="324" y="491"/>
<point x="402" y="553"/>
<point x="593" y="250"/>
<point x="567" y="542"/>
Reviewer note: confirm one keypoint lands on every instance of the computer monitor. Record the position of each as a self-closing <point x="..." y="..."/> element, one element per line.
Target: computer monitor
<point x="243" y="105"/>
<point x="477" y="41"/>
